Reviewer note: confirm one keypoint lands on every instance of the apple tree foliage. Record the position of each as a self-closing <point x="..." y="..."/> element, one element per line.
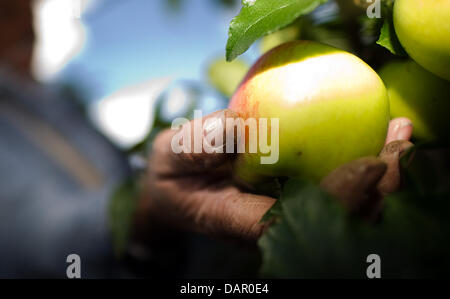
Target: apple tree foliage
<point x="314" y="237"/>
<point x="258" y="18"/>
<point x="311" y="234"/>
<point x="388" y="38"/>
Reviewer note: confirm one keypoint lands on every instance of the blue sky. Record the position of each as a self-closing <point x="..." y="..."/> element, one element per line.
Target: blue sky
<point x="135" y="40"/>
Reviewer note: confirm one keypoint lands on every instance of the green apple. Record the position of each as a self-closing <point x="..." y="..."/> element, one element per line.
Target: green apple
<point x="423" y="28"/>
<point x="225" y="76"/>
<point x="420" y="96"/>
<point x="331" y="106"/>
<point x="280" y="37"/>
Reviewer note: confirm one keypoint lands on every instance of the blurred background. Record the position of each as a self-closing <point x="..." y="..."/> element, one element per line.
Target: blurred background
<point x="115" y="58"/>
<point x="84" y="87"/>
<point x="118" y="56"/>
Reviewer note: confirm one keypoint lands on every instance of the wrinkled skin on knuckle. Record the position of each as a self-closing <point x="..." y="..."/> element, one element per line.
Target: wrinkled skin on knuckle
<point x="391" y="155"/>
<point x="361" y="184"/>
<point x="354" y="184"/>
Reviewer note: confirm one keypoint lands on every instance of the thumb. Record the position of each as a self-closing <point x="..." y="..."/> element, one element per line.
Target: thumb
<point x="391" y="155"/>
<point x="197" y="146"/>
<point x="354" y="184"/>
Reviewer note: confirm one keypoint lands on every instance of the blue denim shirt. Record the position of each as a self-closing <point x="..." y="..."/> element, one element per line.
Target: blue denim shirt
<point x="56" y="177"/>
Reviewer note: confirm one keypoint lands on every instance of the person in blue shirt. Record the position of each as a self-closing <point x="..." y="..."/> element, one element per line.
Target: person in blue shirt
<point x="58" y="176"/>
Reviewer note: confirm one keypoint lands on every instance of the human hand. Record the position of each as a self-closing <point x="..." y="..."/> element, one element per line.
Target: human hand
<point x="362" y="184"/>
<point x="196" y="191"/>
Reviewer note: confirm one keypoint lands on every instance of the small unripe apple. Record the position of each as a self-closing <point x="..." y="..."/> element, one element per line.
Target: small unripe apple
<point x="279" y="37"/>
<point x="332" y="108"/>
<point x="423" y="28"/>
<point x="420" y="96"/>
<point x="226" y="76"/>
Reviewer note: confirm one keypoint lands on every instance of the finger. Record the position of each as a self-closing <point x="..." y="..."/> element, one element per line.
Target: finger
<point x="354" y="184"/>
<point x="391" y="155"/>
<point x="197" y="146"/>
<point x="399" y="129"/>
<point x="234" y="215"/>
<point x="219" y="209"/>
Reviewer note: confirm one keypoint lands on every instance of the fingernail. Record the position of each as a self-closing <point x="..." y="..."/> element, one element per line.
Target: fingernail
<point x="215" y="127"/>
<point x="403" y="130"/>
<point x="211" y="125"/>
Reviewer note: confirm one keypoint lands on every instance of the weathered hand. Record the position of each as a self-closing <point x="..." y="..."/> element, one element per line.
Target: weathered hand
<point x="361" y="184"/>
<point x="197" y="191"/>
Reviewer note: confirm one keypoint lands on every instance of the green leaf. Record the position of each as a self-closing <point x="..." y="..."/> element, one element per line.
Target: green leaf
<point x="273" y="213"/>
<point x="304" y="243"/>
<point x="316" y="238"/>
<point x="389" y="40"/>
<point x="260" y="17"/>
<point x="388" y="37"/>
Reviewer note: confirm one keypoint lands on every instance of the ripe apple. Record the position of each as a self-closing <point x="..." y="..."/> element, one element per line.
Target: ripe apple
<point x="419" y="95"/>
<point x="423" y="28"/>
<point x="332" y="108"/>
